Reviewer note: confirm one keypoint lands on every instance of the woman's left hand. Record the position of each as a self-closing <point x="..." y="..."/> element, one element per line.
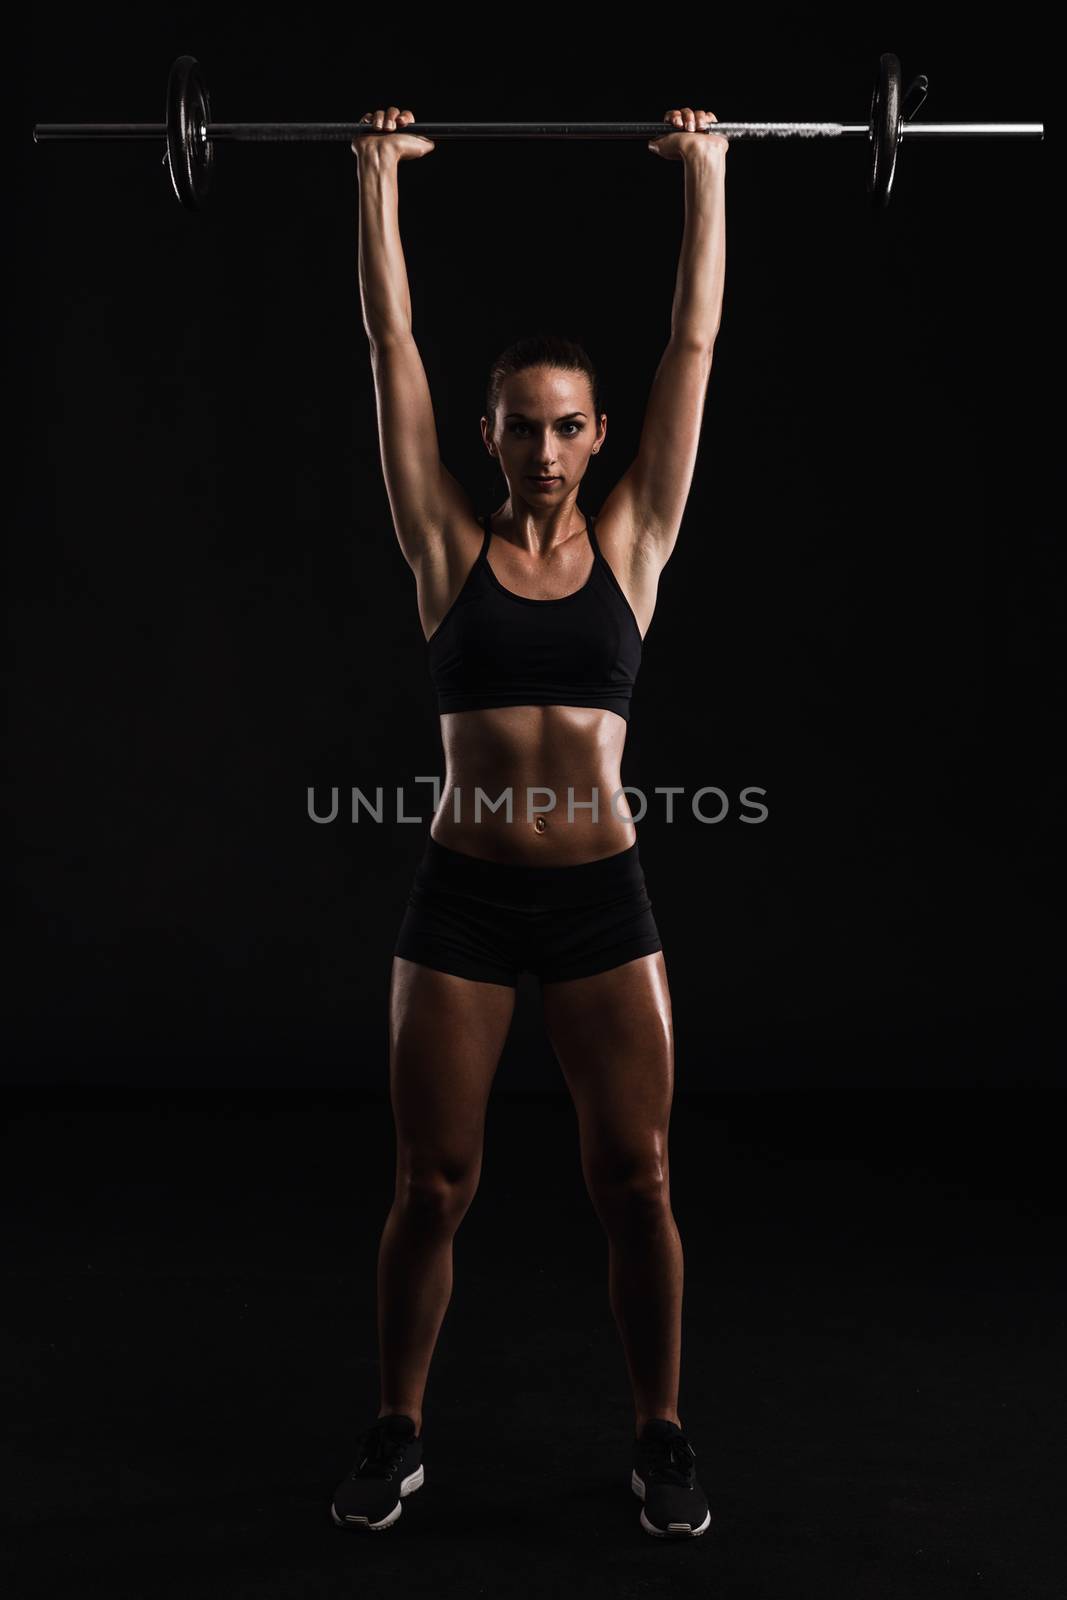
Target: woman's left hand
<point x="680" y="145"/>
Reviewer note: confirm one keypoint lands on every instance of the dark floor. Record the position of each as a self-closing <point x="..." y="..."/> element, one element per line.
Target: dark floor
<point x="872" y="1366"/>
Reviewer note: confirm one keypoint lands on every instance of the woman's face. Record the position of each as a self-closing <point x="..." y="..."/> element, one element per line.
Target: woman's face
<point x="544" y="425"/>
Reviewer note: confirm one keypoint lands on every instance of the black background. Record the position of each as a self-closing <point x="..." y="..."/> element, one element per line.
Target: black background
<point x="209" y="610"/>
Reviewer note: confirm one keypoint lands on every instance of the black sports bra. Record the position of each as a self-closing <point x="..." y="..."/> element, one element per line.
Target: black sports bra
<point x="497" y="648"/>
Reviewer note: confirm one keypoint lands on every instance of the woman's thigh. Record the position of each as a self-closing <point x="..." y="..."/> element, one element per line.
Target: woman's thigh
<point x="446" y="1036"/>
<point x="613" y="1035"/>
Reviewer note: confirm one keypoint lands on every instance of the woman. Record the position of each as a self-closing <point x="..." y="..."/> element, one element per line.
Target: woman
<point x="534" y="619"/>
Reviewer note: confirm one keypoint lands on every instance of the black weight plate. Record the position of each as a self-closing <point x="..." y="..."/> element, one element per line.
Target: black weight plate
<point x="885" y="129"/>
<point x="189" y="151"/>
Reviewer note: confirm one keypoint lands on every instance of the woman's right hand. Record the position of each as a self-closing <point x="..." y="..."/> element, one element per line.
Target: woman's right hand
<point x="405" y="146"/>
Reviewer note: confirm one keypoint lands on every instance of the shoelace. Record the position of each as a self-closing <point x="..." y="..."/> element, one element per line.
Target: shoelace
<point x="670" y="1461"/>
<point x="379" y="1455"/>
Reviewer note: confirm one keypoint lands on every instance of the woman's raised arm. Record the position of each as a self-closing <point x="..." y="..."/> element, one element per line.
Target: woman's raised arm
<point x="423" y="496"/>
<point x="651" y="495"/>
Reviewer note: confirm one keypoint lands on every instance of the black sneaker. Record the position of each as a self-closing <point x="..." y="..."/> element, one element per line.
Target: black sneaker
<point x="664" y="1475"/>
<point x="388" y="1467"/>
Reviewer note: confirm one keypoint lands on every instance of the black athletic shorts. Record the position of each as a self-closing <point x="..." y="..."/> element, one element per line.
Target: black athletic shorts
<point x="491" y="920"/>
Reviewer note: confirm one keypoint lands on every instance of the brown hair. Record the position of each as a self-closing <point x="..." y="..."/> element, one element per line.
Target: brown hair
<point x="539" y="350"/>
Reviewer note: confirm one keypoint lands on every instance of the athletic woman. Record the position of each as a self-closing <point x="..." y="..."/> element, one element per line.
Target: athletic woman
<point x="534" y="617"/>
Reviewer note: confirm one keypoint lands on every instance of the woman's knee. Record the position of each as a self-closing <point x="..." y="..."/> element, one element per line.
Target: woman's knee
<point x="632" y="1192"/>
<point x="438" y="1194"/>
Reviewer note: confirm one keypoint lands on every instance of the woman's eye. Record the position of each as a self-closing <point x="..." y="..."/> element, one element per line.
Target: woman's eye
<point x="515" y="426"/>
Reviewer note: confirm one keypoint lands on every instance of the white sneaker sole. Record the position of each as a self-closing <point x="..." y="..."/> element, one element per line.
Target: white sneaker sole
<point x="673" y="1530"/>
<point x="408" y="1485"/>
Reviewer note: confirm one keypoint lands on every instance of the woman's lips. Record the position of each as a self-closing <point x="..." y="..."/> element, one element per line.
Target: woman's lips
<point x="545" y="483"/>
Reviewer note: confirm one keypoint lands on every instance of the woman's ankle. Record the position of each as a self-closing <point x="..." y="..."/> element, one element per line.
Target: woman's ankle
<point x="400" y="1411"/>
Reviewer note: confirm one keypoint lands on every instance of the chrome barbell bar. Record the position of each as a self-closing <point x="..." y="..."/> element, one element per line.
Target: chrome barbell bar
<point x="190" y="135"/>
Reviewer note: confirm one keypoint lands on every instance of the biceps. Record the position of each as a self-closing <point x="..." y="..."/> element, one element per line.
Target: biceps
<point x="670" y="437"/>
<point x="407" y="433"/>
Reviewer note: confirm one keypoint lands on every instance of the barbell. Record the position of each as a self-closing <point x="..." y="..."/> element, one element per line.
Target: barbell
<point x="189" y="134"/>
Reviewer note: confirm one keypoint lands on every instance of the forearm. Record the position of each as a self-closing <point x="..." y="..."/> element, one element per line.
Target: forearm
<point x="697" y="309"/>
<point x="383" y="275"/>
